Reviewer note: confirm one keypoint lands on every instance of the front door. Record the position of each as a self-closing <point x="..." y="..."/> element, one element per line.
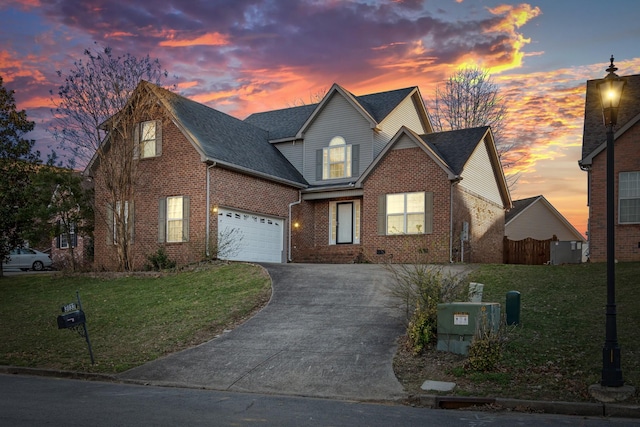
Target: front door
<point x="345" y="223"/>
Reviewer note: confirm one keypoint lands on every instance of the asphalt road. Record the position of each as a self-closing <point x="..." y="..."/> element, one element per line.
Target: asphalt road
<point x="38" y="401"/>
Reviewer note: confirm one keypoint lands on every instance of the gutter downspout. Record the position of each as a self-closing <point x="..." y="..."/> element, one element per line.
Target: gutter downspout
<point x="290" y="206"/>
<point x="453" y="182"/>
<point x="451" y="223"/>
<point x="208" y="229"/>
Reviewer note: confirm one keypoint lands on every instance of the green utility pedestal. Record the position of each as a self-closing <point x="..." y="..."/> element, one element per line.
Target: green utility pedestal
<point x="512" y="308"/>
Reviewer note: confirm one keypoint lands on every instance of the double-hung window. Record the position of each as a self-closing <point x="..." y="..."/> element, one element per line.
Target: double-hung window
<point x="173" y="219"/>
<point x="336" y="159"/>
<point x="62" y="242"/>
<point x="119" y="219"/>
<point x="148" y="136"/>
<point x="405" y="213"/>
<point x="629" y="195"/>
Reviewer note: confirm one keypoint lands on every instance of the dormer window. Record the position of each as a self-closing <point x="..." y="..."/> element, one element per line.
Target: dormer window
<point x="336" y="159"/>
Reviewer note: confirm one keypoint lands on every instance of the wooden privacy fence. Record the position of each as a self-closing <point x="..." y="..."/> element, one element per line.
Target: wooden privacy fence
<point x="527" y="251"/>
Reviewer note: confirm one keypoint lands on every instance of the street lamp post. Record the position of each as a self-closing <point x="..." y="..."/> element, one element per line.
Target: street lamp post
<point x="610" y="94"/>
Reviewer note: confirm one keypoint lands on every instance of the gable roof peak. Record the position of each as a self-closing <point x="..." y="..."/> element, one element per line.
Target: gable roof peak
<point x="290" y="123"/>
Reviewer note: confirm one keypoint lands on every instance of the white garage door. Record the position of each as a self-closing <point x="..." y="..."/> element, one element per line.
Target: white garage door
<point x="246" y="236"/>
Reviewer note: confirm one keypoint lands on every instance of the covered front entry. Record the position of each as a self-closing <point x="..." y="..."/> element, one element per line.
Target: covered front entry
<point x="246" y="236"/>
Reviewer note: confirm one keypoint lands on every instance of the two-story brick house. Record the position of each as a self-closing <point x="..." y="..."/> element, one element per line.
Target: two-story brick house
<point x="626" y="172"/>
<point x="350" y="178"/>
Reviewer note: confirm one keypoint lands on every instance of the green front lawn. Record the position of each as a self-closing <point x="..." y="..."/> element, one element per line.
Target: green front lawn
<point x="556" y="351"/>
<point x="131" y="319"/>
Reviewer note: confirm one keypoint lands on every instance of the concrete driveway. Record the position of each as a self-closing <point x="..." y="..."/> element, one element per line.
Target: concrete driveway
<point x="328" y="331"/>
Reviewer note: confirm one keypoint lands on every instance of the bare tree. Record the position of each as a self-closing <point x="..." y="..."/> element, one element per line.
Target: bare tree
<point x="97" y="113"/>
<point x="314" y="98"/>
<point x="93" y="90"/>
<point x="468" y="99"/>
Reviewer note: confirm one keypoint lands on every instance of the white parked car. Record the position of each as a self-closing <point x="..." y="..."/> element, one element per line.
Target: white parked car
<point x="26" y="259"/>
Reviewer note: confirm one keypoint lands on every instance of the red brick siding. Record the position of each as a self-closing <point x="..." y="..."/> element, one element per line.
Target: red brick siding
<point x="486" y="228"/>
<point x="179" y="171"/>
<point x="404" y="170"/>
<point x="235" y="190"/>
<point x="407" y="170"/>
<point x="61" y="257"/>
<point x="303" y="238"/>
<point x="627" y="236"/>
<point x="310" y="241"/>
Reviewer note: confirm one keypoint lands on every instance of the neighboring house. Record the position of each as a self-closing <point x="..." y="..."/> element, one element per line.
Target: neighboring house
<point x="77" y="241"/>
<point x="626" y="172"/>
<point x="61" y="248"/>
<point x="352" y="178"/>
<point x="536" y="218"/>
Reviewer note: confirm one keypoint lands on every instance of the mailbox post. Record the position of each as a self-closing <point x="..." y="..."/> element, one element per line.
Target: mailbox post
<point x="73" y="317"/>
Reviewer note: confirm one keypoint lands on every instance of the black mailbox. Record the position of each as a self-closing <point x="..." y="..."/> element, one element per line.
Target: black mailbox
<point x="71" y="319"/>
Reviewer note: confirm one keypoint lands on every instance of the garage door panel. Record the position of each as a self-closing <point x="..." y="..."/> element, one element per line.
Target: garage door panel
<point x="257" y="238"/>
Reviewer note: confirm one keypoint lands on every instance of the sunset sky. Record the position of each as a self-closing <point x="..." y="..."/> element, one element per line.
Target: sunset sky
<point x="245" y="56"/>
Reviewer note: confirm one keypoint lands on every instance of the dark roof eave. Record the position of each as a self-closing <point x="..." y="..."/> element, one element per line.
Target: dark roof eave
<point x="337" y="187"/>
<point x="255" y="173"/>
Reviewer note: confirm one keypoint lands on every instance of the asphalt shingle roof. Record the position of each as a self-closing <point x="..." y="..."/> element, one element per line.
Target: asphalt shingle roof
<point x="283" y="123"/>
<point x="379" y="105"/>
<point x="519" y="206"/>
<point x="224" y="138"/>
<point x="455" y="146"/>
<point x="595" y="133"/>
<point x="287" y="122"/>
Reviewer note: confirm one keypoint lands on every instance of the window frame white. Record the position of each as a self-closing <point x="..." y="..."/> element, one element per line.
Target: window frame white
<point x="336" y="145"/>
<point x="64" y="244"/>
<point x="179" y="200"/>
<point x="629" y="193"/>
<point x="405" y="213"/>
<point x="144" y="142"/>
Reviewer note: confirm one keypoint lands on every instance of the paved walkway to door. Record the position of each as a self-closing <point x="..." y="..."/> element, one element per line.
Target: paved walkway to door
<point x="328" y="331"/>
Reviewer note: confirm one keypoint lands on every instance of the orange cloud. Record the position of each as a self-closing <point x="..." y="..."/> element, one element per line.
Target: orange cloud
<point x="208" y="39"/>
<point x="512" y="18"/>
<point x="13" y="68"/>
<point x="118" y="35"/>
<point x="187" y="85"/>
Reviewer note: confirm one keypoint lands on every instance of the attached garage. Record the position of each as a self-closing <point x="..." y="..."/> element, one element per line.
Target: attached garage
<point x="251" y="236"/>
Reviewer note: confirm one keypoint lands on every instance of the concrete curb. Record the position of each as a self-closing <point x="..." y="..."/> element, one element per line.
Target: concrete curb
<point x="587" y="409"/>
<point x="56" y="373"/>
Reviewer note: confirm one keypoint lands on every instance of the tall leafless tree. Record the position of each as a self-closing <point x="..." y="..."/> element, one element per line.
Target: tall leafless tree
<point x="96" y="112"/>
<point x="469" y="98"/>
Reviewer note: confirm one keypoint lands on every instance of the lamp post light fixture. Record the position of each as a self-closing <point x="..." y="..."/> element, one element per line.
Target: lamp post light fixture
<point x="610" y="90"/>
